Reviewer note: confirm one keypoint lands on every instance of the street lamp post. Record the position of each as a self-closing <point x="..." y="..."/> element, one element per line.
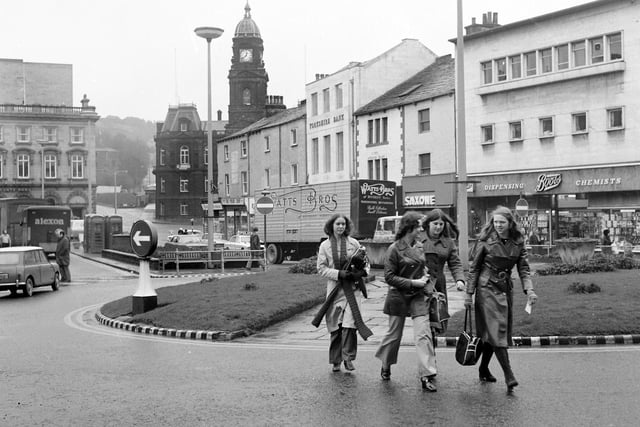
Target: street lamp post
<point x="209" y="33"/>
<point x="115" y="190"/>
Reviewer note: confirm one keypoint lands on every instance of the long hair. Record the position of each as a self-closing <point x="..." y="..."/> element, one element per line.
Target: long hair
<point x="514" y="231"/>
<point x="409" y="222"/>
<point x="328" y="226"/>
<point x="450" y="228"/>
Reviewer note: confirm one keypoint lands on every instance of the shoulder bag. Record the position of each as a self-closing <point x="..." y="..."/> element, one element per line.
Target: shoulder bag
<point x="468" y="347"/>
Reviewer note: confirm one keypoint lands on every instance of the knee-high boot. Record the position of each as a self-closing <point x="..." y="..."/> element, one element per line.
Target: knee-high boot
<point x="503" y="358"/>
<point x="483" y="371"/>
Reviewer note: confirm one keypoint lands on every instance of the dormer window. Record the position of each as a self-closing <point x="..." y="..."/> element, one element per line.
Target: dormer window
<point x="184" y="126"/>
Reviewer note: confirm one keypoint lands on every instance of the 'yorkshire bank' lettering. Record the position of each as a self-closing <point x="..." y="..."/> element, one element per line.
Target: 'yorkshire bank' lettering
<point x="324" y="122"/>
<point x="598" y="181"/>
<point x="48" y="221"/>
<point x="548" y="182"/>
<point x="421" y="200"/>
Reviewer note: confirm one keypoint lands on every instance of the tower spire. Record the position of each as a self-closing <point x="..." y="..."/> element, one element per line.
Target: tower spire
<point x="247" y="10"/>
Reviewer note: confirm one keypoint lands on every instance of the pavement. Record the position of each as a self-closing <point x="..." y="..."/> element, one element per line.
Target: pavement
<point x="298" y="329"/>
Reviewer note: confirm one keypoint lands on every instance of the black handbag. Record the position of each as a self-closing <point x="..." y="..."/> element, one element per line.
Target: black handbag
<point x="468" y="347"/>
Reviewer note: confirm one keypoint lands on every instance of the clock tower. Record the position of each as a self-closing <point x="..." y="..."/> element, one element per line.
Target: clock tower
<point x="247" y="76"/>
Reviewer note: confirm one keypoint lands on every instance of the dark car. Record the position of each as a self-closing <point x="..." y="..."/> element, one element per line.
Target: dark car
<point x="25" y="268"/>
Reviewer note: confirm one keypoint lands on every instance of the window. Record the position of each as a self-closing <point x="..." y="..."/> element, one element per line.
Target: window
<point x="163" y="185"/>
<point x="227" y="185"/>
<point x="597" y="50"/>
<point x="77" y="166"/>
<point x="246" y="97"/>
<point x="579" y="121"/>
<point x="546" y="127"/>
<point x="77" y="135"/>
<point x="370" y="132"/>
<point x="23" y="134"/>
<point x="267" y="145"/>
<point x="515" y="131"/>
<point x="615" y="119"/>
<point x="225" y="150"/>
<point x="161" y="209"/>
<point x="326" y="101"/>
<point x="206" y="155"/>
<point x="578" y="54"/>
<point x="424" y="164"/>
<point x="615" y="46"/>
<point x="50" y="163"/>
<point x="384" y="130"/>
<point x="546" y="61"/>
<point x="184" y="155"/>
<point x="50" y="134"/>
<point x="315" y="156"/>
<point x="1" y="134"/>
<point x="501" y="69"/>
<point x="2" y="166"/>
<point x="184" y="209"/>
<point x="424" y="120"/>
<point x="314" y="104"/>
<point x="22" y="162"/>
<point x="267" y="178"/>
<point x="293" y="134"/>
<point x="294" y="174"/>
<point x="370" y="167"/>
<point x="206" y="184"/>
<point x="243" y="148"/>
<point x="530" y="63"/>
<point x="339" y="151"/>
<point x="562" y="57"/>
<point x="184" y="185"/>
<point x="163" y="156"/>
<point x="487" y="72"/>
<point x="184" y="126"/>
<point x="385" y="172"/>
<point x="339" y="95"/>
<point x="515" y="65"/>
<point x="327" y="153"/>
<point x="377" y="131"/>
<point x="244" y="181"/>
<point x="487" y="134"/>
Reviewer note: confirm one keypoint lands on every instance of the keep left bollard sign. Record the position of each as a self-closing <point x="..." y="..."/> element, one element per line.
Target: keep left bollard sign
<point x="143" y="238"/>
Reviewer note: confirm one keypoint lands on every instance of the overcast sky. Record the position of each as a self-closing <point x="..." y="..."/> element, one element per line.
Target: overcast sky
<point x="137" y="57"/>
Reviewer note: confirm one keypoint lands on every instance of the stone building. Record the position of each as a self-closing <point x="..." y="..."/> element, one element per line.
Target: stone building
<point x="47" y="146"/>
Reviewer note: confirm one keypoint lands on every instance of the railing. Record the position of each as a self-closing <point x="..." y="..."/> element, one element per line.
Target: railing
<point x="209" y="260"/>
<point x="45" y="109"/>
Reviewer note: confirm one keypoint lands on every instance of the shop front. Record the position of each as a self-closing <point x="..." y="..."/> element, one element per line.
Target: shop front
<point x="426" y="192"/>
<point x="236" y="220"/>
<point x="569" y="203"/>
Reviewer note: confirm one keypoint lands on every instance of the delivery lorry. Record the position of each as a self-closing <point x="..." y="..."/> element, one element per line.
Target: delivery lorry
<point x="39" y="224"/>
<point x="11" y="216"/>
<point x="295" y="227"/>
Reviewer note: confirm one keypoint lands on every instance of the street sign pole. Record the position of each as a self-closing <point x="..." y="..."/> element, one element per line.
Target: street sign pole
<point x="264" y="205"/>
<point x="144" y="241"/>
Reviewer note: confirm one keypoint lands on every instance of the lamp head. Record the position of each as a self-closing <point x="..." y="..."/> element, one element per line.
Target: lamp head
<point x="209" y="33"/>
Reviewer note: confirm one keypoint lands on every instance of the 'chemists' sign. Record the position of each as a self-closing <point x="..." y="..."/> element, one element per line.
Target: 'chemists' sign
<point x="416" y="200"/>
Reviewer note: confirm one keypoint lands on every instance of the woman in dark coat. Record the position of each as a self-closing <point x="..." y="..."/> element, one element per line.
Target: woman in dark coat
<point x="409" y="288"/>
<point x="440" y="249"/>
<point x="500" y="247"/>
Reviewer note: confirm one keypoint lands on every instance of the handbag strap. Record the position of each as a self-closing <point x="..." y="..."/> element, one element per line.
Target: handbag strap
<point x="467" y="314"/>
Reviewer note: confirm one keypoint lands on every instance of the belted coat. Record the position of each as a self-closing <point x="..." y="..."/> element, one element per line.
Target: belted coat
<point x="490" y="279"/>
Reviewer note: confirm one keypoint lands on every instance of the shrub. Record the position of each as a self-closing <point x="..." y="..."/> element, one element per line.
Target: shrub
<point x="305" y="266"/>
<point x="596" y="264"/>
<point x="250" y="286"/>
<point x="581" y="288"/>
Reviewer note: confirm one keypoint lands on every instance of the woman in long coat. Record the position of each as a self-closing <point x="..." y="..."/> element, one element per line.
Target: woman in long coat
<point x="500" y="247"/>
<point x="409" y="288"/>
<point x="344" y="291"/>
<point x="440" y="249"/>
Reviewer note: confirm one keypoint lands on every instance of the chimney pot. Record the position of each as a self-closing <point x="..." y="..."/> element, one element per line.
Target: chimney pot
<point x="495" y="17"/>
<point x="219" y="115"/>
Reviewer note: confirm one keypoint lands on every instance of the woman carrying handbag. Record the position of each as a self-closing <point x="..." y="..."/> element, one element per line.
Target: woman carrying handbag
<point x="500" y="247"/>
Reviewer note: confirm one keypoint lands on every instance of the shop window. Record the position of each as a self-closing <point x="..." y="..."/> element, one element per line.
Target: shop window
<point x="487" y="134"/>
<point x="615" y="119"/>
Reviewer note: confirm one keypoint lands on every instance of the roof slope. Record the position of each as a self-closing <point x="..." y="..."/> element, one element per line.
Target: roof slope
<point x="437" y="79"/>
<point x="286" y="116"/>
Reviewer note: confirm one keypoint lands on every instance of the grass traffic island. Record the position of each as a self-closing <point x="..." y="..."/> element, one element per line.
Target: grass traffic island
<point x="572" y="300"/>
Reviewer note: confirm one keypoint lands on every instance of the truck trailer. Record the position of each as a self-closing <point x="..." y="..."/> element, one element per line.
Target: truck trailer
<point x="295" y="227"/>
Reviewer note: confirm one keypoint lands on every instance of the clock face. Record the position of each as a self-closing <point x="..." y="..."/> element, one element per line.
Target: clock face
<point x="246" y="55"/>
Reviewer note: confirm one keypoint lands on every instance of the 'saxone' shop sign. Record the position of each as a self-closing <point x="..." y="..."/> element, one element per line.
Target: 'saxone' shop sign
<point x="420" y="200"/>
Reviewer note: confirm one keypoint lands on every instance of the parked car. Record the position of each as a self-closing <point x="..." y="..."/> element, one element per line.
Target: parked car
<point x="244" y="239"/>
<point x="26" y="268"/>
